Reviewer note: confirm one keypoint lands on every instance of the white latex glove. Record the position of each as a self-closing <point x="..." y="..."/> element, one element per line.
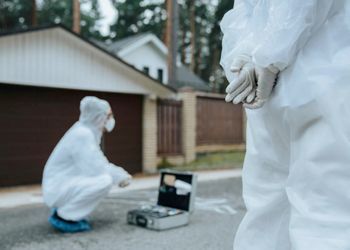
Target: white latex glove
<point x="125" y="183"/>
<point x="242" y="88"/>
<point x="120" y="177"/>
<point x="266" y="78"/>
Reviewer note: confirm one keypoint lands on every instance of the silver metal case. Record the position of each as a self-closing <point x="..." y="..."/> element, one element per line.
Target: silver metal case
<point x="176" y="195"/>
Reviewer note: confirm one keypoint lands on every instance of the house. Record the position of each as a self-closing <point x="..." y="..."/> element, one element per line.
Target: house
<point x="149" y="54"/>
<point x="44" y="73"/>
<point x="183" y="128"/>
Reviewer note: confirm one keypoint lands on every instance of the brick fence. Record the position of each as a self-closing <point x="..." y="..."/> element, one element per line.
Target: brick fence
<point x="196" y="123"/>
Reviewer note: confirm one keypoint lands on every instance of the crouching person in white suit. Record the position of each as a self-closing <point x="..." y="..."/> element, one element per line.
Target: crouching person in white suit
<point x="78" y="175"/>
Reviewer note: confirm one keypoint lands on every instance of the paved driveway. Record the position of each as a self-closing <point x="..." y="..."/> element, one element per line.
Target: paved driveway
<point x="219" y="209"/>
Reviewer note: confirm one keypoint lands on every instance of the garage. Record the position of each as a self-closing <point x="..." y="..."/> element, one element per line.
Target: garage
<point x="40" y="92"/>
<point x="33" y="119"/>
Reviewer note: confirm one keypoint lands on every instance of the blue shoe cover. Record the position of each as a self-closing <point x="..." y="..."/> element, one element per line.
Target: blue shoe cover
<point x="68" y="226"/>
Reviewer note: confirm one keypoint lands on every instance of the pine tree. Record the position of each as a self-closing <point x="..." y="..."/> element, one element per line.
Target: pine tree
<point x="15" y="14"/>
<point x="136" y="17"/>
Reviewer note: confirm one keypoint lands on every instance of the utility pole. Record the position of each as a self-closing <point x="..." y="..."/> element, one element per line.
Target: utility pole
<point x="76" y="16"/>
<point x="171" y="39"/>
<point x="33" y="14"/>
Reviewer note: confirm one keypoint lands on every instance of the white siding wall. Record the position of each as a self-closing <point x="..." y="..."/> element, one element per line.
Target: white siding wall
<point x="56" y="58"/>
<point x="148" y="55"/>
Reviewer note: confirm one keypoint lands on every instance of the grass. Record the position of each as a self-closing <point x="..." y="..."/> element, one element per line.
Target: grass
<point x="211" y="161"/>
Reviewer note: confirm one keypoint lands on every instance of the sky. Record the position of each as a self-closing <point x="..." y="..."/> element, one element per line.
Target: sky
<point x="109" y="14"/>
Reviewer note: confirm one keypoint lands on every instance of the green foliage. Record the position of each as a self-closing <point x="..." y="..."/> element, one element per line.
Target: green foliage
<point x="56" y="11"/>
<point x="16" y="14"/>
<point x="208" y="15"/>
<point x="214" y="73"/>
<point x="202" y="22"/>
<point x="137" y="17"/>
<point x="60" y="11"/>
<point x="212" y="161"/>
<point x="164" y="164"/>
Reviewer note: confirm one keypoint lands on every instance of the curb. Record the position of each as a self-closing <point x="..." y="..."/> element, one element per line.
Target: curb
<point x="20" y="196"/>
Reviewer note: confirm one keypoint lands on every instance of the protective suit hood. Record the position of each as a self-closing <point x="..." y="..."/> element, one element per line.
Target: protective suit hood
<point x="93" y="114"/>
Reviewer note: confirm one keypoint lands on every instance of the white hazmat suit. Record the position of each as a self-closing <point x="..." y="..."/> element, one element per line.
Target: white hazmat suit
<point x="78" y="175"/>
<point x="297" y="167"/>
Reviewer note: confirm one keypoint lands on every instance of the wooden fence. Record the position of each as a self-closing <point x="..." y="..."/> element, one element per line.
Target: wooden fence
<point x="169" y="119"/>
<point x="218" y="122"/>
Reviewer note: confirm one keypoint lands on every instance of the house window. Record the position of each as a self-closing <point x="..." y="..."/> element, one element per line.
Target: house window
<point x="160" y="75"/>
<point x="146" y="70"/>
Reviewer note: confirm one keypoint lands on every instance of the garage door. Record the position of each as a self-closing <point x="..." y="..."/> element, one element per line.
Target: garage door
<point x="32" y="120"/>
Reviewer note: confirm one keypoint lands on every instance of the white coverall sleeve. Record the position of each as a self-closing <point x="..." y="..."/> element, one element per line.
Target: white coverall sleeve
<point x="89" y="158"/>
<point x="276" y="31"/>
<point x="237" y="34"/>
<point x="118" y="173"/>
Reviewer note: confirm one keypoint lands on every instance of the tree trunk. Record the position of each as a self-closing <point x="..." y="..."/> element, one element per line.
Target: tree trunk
<point x="215" y="61"/>
<point x="171" y="39"/>
<point x="76" y="16"/>
<point x="183" y="45"/>
<point x="34" y="21"/>
<point x="192" y="9"/>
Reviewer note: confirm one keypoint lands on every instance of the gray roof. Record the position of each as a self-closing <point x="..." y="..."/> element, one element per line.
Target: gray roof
<point x="120" y="44"/>
<point x="185" y="77"/>
<point x="99" y="43"/>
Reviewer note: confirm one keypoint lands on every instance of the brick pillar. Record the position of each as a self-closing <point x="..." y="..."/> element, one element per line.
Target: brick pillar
<point x="188" y="97"/>
<point x="149" y="139"/>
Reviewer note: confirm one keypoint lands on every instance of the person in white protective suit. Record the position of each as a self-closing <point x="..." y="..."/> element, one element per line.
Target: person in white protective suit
<point x="77" y="175"/>
<point x="297" y="168"/>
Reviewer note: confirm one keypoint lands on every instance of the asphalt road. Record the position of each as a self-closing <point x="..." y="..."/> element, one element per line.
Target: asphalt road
<point x="219" y="209"/>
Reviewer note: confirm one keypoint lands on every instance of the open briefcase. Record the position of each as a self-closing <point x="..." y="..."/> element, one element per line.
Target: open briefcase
<point x="176" y="195"/>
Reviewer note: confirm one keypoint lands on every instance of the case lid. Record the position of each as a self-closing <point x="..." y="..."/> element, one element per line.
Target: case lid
<point x="177" y="189"/>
